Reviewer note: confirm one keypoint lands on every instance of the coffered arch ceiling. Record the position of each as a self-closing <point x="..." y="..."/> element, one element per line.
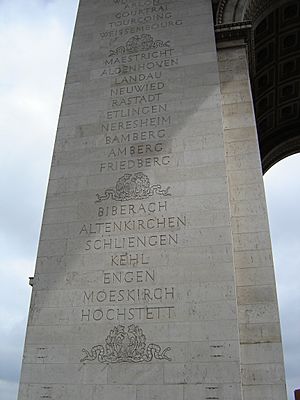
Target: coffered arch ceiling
<point x="273" y="36"/>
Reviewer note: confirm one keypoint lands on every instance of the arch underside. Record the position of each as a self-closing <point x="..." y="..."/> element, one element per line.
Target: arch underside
<point x="275" y="70"/>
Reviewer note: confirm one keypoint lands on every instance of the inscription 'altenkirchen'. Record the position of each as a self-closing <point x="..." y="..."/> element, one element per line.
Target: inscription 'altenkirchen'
<point x="133" y="225"/>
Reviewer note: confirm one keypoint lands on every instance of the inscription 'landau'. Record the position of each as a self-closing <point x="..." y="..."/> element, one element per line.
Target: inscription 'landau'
<point x="126" y="346"/>
<point x="132" y="187"/>
<point x="138" y="43"/>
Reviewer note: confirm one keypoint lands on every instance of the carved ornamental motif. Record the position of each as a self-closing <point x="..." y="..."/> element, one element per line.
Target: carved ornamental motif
<point x="133" y="187"/>
<point x="125" y="345"/>
<point x="138" y="43"/>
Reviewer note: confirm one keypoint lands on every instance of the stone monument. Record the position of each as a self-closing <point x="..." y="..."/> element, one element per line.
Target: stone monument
<point x="154" y="277"/>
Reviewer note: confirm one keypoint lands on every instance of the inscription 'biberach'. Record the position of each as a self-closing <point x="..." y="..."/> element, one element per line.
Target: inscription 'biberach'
<point x="133" y="187"/>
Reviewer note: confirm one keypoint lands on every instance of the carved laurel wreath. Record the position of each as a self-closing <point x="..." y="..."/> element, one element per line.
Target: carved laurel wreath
<point x="125" y="345"/>
<point x="138" y="43"/>
<point x="133" y="187"/>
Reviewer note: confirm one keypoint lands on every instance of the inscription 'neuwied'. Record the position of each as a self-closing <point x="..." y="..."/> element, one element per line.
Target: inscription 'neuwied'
<point x="126" y="345"/>
<point x="133" y="187"/>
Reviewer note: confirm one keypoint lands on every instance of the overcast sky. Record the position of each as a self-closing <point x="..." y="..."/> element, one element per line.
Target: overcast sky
<point x="35" y="37"/>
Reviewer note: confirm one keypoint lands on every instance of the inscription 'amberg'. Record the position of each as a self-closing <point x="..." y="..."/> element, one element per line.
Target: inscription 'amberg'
<point x="133" y="187"/>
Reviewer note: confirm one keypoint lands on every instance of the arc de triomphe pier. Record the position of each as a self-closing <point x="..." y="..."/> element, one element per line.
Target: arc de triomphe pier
<point x="154" y="277"/>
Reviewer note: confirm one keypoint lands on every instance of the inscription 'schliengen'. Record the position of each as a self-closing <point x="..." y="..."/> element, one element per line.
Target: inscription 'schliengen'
<point x="131" y="242"/>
